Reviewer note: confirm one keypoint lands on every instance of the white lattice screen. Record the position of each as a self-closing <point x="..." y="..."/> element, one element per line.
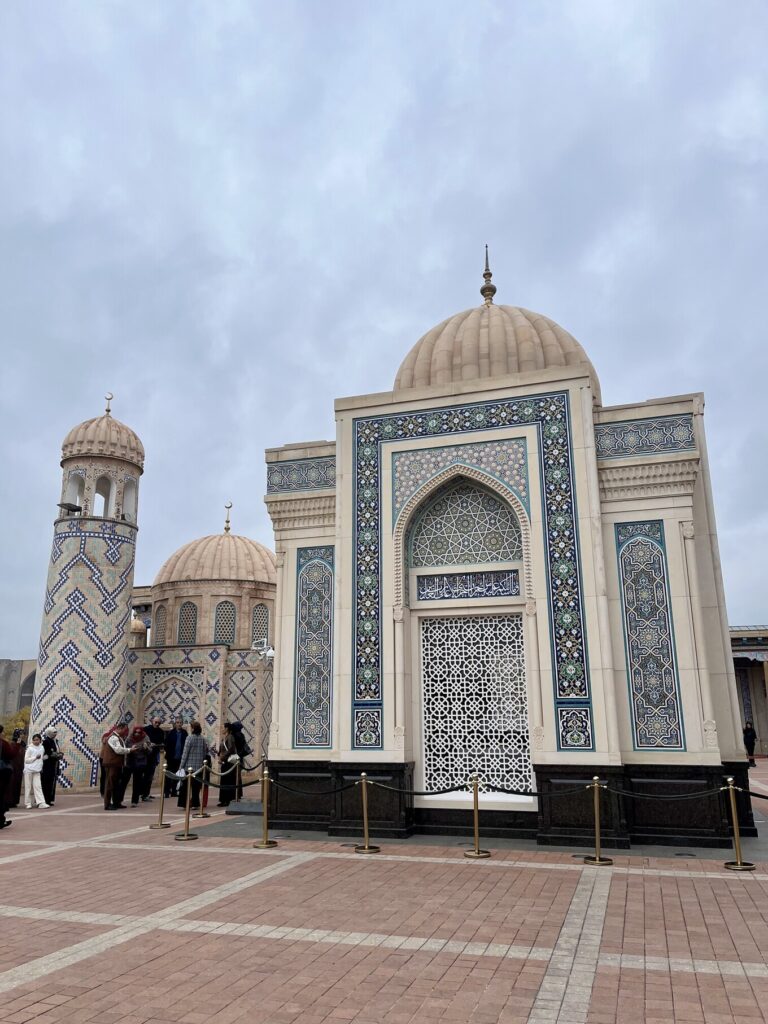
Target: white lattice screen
<point x="475" y="706"/>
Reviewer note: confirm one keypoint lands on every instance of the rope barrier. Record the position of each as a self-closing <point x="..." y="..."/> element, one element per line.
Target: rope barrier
<point x="316" y="792"/>
<point x="669" y="797"/>
<point x="417" y="792"/>
<point x="243" y="785"/>
<point x="750" y="793"/>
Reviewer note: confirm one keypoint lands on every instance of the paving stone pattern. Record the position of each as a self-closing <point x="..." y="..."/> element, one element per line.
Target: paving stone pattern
<point x="105" y="921"/>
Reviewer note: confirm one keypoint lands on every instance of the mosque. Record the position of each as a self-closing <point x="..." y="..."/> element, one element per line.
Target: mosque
<point x="487" y="571"/>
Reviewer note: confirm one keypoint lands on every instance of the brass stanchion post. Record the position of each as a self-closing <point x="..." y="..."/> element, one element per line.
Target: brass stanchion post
<point x="366" y="847"/>
<point x="160" y="823"/>
<point x="186" y="835"/>
<point x="476" y="853"/>
<point x="265" y="842"/>
<point x="597" y="858"/>
<point x="738" y="864"/>
<point x="202" y="812"/>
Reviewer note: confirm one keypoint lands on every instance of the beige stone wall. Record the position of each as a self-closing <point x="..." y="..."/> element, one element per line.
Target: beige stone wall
<point x="206" y="595"/>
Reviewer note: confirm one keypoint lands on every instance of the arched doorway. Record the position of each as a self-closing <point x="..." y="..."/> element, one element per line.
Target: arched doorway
<point x="465" y="549"/>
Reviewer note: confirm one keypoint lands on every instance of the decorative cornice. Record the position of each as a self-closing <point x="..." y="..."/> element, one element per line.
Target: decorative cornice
<point x="648" y="480"/>
<point x="657" y="435"/>
<point x="302" y="475"/>
<point x="295" y="512"/>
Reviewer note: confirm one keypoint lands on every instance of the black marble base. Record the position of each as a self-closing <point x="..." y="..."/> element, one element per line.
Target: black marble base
<point x="302" y="799"/>
<point x="305" y="796"/>
<point x="632" y="818"/>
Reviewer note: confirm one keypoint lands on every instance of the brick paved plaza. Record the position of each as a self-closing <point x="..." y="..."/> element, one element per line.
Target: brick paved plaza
<point x="104" y="920"/>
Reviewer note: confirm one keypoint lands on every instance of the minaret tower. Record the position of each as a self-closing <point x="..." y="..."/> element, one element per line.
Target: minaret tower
<point x="79" y="686"/>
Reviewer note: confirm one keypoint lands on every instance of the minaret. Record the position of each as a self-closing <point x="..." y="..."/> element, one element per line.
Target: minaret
<point x="79" y="686"/>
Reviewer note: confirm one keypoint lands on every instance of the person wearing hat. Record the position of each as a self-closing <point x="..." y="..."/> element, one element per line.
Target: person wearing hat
<point x="113" y="753"/>
<point x="51" y="757"/>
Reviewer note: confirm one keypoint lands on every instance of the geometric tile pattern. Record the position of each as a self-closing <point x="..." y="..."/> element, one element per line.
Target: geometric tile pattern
<point x="249" y="699"/>
<point x="241" y="701"/>
<point x="550" y="416"/>
<point x="174" y="698"/>
<point x="314" y="647"/>
<point x="302" y="475"/>
<point x="653" y="436"/>
<point x="463" y="524"/>
<point x="202" y="668"/>
<point x="474" y="700"/>
<point x="505" y="460"/>
<point x="649" y="640"/>
<point x="461" y="586"/>
<point x="224" y="624"/>
<point x="83" y="641"/>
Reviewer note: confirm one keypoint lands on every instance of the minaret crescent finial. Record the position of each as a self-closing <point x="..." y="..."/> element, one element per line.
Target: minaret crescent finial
<point x="109" y="396"/>
<point x="488" y="290"/>
<point x="228" y="506"/>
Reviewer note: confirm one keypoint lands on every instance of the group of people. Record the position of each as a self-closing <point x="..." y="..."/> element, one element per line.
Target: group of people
<point x="131" y="756"/>
<point x="33" y="766"/>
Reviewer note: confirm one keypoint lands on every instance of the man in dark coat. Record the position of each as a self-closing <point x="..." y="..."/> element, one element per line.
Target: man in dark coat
<point x="156" y="736"/>
<point x="174" y="747"/>
<point x="8" y="752"/>
<point x="750" y="738"/>
<point x="18" y="767"/>
<point x="51" y="758"/>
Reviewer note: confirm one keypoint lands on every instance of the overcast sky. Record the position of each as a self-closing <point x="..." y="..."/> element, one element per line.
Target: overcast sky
<point x="230" y="213"/>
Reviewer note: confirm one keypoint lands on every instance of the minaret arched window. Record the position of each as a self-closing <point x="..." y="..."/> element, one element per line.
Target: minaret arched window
<point x="103" y="498"/>
<point x="188" y="624"/>
<point x="159" y="624"/>
<point x="75" y="489"/>
<point x="260" y="624"/>
<point x="225" y="623"/>
<point x="130" y="500"/>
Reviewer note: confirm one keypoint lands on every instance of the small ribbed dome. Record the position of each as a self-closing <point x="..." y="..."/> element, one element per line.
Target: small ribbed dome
<point x="104" y="436"/>
<point x="222" y="556"/>
<point x="137" y="626"/>
<point x="487" y="342"/>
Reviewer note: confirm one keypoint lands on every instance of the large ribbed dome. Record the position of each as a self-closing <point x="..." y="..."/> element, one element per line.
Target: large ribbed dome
<point x="104" y="436"/>
<point x="487" y="342"/>
<point x="222" y="556"/>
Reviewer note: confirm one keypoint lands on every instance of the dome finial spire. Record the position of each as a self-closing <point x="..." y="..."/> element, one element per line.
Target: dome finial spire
<point x="228" y="506"/>
<point x="109" y="396"/>
<point x="488" y="290"/>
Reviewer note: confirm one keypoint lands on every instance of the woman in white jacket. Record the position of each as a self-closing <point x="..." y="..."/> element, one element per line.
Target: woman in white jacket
<point x="33" y="767"/>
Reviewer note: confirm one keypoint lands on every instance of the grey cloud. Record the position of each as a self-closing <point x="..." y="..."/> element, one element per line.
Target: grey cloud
<point x="231" y="213"/>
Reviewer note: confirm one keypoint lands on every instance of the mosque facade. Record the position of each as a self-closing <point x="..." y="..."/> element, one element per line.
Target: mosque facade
<point x="487" y="571"/>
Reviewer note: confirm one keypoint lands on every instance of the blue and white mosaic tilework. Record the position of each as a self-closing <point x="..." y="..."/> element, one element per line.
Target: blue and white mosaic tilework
<point x="550" y="415"/>
<point x="84" y="639"/>
<point x="461" y="586"/>
<point x="649" y="640"/>
<point x="301" y="475"/>
<point x="201" y="668"/>
<point x="658" y="435"/>
<point x="249" y="689"/>
<point x="174" y="697"/>
<point x="505" y="460"/>
<point x="314" y="647"/>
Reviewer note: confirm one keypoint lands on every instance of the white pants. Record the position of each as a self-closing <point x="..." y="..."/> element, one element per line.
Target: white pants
<point x="32" y="782"/>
